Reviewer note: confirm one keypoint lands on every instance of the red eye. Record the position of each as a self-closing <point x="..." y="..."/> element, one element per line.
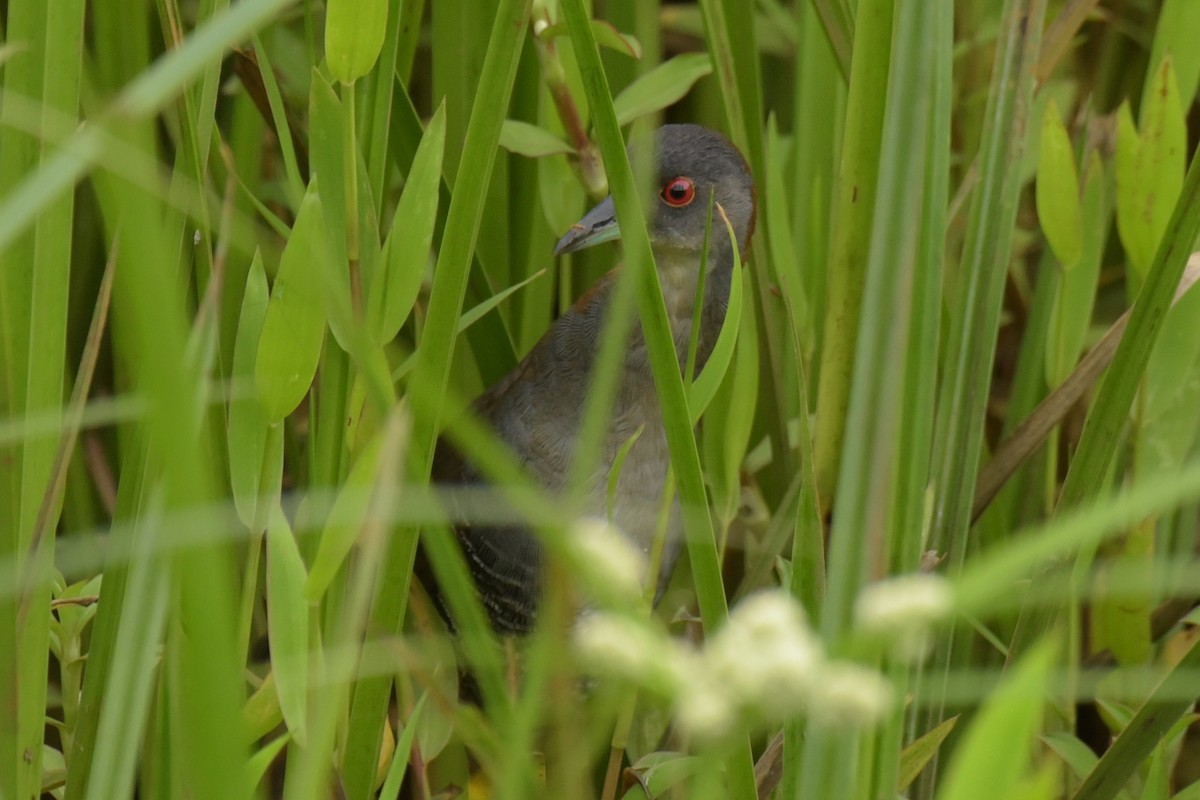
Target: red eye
<point x="678" y="192"/>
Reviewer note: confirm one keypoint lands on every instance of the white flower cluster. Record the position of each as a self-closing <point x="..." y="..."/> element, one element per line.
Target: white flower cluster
<point x="765" y="665"/>
<point x="626" y="648"/>
<point x="606" y="559"/>
<point x="903" y="611"/>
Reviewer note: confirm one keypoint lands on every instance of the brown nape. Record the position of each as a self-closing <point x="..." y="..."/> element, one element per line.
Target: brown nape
<point x="753" y="213"/>
<point x="593" y="292"/>
<point x="753" y="202"/>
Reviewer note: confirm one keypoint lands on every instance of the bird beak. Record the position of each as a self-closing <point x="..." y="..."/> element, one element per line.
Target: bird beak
<point x="598" y="225"/>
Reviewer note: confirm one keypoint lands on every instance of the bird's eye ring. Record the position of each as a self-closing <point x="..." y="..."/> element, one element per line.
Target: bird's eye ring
<point x="678" y="192"/>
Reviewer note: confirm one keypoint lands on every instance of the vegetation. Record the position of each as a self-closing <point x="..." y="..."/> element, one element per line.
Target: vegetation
<point x="256" y="257"/>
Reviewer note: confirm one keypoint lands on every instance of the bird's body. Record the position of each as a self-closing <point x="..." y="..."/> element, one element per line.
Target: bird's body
<point x="536" y="409"/>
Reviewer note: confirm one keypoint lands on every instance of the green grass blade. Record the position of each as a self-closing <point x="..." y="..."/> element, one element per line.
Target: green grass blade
<point x="293" y="329"/>
<point x="432" y="370"/>
<point x="1085" y="479"/>
<point x="44" y="389"/>
<point x="1171" y="699"/>
<point x="733" y="46"/>
<point x="143" y="97"/>
<point x="971" y="340"/>
<point x="859" y="540"/>
<point x="248" y="421"/>
<point x="664" y="362"/>
<point x="994" y="755"/>
<point x="838" y="25"/>
<point x="853" y="212"/>
<point x="396" y="282"/>
<point x="859" y="532"/>
<point x="288" y="624"/>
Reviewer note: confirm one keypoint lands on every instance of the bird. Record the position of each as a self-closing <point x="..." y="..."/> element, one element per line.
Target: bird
<point x="536" y="408"/>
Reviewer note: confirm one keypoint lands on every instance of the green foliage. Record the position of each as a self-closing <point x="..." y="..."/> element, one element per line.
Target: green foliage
<point x="294" y="326"/>
<point x="1058" y="201"/>
<point x="248" y="421"/>
<point x="287" y="624"/>
<point x="323" y="228"/>
<point x="1013" y="714"/>
<point x="1076" y="293"/>
<point x="1150" y="165"/>
<point x="661" y="87"/>
<point x="394" y="285"/>
<point x="918" y="754"/>
<point x="354" y="32"/>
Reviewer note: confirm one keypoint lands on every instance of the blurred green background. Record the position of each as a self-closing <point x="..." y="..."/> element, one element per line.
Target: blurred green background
<point x="257" y="256"/>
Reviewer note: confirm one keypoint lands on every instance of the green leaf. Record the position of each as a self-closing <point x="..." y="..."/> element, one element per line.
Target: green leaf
<point x="1076" y="293"/>
<point x="917" y="755"/>
<point x="1171" y="391"/>
<point x="333" y="164"/>
<point x="531" y="141"/>
<point x="261" y="760"/>
<point x="74" y="618"/>
<point x="54" y="771"/>
<point x="1170" y="700"/>
<point x="248" y="422"/>
<point x="1149" y="181"/>
<point x="559" y="193"/>
<point x="852" y="218"/>
<point x="1045" y="783"/>
<point x="659" y="772"/>
<point x="294" y="186"/>
<point x="1174" y="356"/>
<point x="727" y="428"/>
<point x="294" y="327"/>
<point x="1175" y="38"/>
<point x="368" y="234"/>
<point x="1163" y="152"/>
<point x="470" y="317"/>
<point x="1078" y="757"/>
<point x="606" y="36"/>
<point x="614" y="474"/>
<point x="1116" y="716"/>
<point x="287" y="623"/>
<point x="704" y="388"/>
<point x="399" y="765"/>
<point x="1155" y="787"/>
<point x="344" y="522"/>
<point x="781" y="241"/>
<point x="396" y="283"/>
<point x="1121" y="614"/>
<point x="1110" y="409"/>
<point x="772" y="39"/>
<point x="476" y="313"/>
<point x="661" y="86"/>
<point x="1129" y="145"/>
<point x="1058" y="190"/>
<point x="993" y="756"/>
<point x="434" y="729"/>
<point x="261" y="711"/>
<point x="354" y="31"/>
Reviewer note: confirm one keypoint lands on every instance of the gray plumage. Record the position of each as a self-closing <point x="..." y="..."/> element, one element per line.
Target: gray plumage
<point x="536" y="408"/>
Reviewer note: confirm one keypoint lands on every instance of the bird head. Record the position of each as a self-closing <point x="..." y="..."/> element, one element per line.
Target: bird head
<point x="691" y="163"/>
